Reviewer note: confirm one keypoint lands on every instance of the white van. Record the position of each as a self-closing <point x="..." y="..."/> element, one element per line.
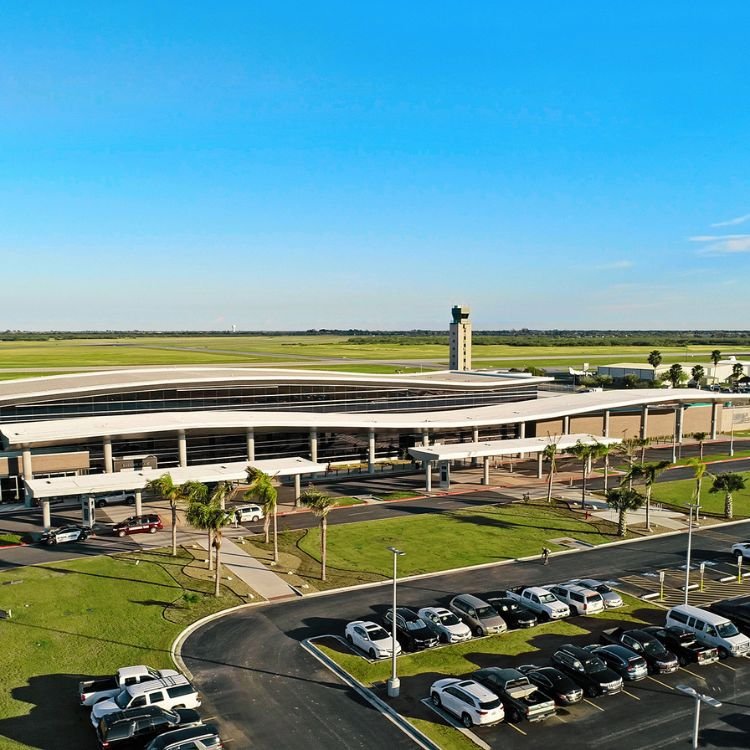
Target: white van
<point x="710" y="629"/>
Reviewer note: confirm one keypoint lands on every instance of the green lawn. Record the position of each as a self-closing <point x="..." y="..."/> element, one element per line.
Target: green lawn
<point x="85" y="618"/>
<point x="681" y="493"/>
<point x="450" y="540"/>
<point x="9" y="537"/>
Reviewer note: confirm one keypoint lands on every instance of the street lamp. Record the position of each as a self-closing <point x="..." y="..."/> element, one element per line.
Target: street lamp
<point x="394" y="683"/>
<point x="689" y="547"/>
<point x="699" y="698"/>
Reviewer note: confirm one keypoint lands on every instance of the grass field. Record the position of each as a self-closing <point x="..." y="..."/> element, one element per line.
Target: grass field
<point x="86" y="618"/>
<point x="681" y="493"/>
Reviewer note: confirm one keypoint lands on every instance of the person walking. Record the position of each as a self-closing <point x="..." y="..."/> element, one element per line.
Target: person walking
<point x="545" y="555"/>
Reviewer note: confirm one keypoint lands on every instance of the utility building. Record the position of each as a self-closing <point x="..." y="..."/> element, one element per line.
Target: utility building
<point x="460" y="338"/>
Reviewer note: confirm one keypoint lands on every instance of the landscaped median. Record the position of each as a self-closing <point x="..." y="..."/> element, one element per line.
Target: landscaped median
<point x="72" y="620"/>
<point x="358" y="552"/>
<point x="418" y="671"/>
<point x="680" y="493"/>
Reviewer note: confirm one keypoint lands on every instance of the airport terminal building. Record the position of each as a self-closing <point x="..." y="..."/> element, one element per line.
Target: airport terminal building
<point x="159" y="418"/>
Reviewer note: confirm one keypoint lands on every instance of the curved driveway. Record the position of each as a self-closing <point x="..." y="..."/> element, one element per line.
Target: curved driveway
<point x="266" y="691"/>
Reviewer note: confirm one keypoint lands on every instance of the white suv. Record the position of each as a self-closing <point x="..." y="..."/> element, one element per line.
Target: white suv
<point x="741" y="549"/>
<point x="169" y="692"/>
<point x="582" y="601"/>
<point x="468" y="701"/>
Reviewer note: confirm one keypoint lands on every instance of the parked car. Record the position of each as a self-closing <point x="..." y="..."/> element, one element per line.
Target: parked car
<point x="520" y="698"/>
<point x="737" y="610"/>
<point x="582" y="601"/>
<point x="65" y="534"/>
<point x="468" y="701"/>
<point x="658" y="659"/>
<point x="741" y="549"/>
<point x="611" y="598"/>
<point x="447" y="627"/>
<point x="202" y="737"/>
<point x="682" y="644"/>
<point x="588" y="670"/>
<point x="93" y="691"/>
<point x="541" y="601"/>
<point x="149" y="523"/>
<point x="711" y="629"/>
<point x="371" y="638"/>
<point x="477" y="614"/>
<point x="168" y="692"/>
<point x="622" y="660"/>
<point x="134" y="727"/>
<point x="243" y="513"/>
<point x="412" y="631"/>
<point x="553" y="682"/>
<point x="514" y="614"/>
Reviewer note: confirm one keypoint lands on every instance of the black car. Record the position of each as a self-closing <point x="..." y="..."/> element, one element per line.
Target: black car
<point x="682" y="643"/>
<point x="659" y="660"/>
<point x="516" y="615"/>
<point x="202" y="736"/>
<point x="622" y="660"/>
<point x="134" y="727"/>
<point x="554" y="683"/>
<point x="737" y="610"/>
<point x="412" y="631"/>
<point x="588" y="670"/>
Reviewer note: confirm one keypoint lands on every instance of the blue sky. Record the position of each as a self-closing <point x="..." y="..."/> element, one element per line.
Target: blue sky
<point x="287" y="165"/>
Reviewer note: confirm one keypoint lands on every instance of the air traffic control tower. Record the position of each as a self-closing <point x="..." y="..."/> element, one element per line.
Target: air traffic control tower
<point x="460" y="338"/>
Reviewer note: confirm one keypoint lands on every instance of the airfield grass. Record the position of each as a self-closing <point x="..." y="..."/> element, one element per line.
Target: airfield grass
<point x="680" y="493"/>
<point x="85" y="618"/>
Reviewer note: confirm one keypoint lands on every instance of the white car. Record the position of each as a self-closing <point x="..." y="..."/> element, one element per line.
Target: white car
<point x="445" y="624"/>
<point x="741" y="549"/>
<point x="468" y="701"/>
<point x="252" y="513"/>
<point x="611" y="598"/>
<point x="371" y="638"/>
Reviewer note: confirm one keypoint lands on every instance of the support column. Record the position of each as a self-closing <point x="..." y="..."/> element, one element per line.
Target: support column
<point x="371" y="451"/>
<point x="680" y="416"/>
<point x="566" y="425"/>
<point x="138" y="503"/>
<point x="250" y="435"/>
<point x="486" y="470"/>
<point x="539" y="464"/>
<point x="522" y="436"/>
<point x="644" y="421"/>
<point x="107" y="445"/>
<point x="182" y="447"/>
<point x="426" y="436"/>
<point x="27" y="473"/>
<point x="428" y="476"/>
<point x="46" y="517"/>
<point x="314" y="444"/>
<point x="297" y="489"/>
<point x="714" y="419"/>
<point x="475" y="439"/>
<point x="605" y="428"/>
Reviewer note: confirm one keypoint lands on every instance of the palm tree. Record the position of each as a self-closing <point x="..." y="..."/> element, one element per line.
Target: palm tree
<point x="166" y="489"/>
<point x="643" y="443"/>
<point x="675" y="375"/>
<point x="216" y="518"/>
<point x="623" y="500"/>
<point x="715" y="358"/>
<point x="262" y="491"/>
<point x="699" y="471"/>
<point x="550" y="453"/>
<point x="737" y="371"/>
<point x="648" y="473"/>
<point x="585" y="453"/>
<point x="198" y="514"/>
<point x="604" y="450"/>
<point x="320" y="504"/>
<point x="700" y="437"/>
<point x="728" y="483"/>
<point x="654" y="359"/>
<point x="628" y="448"/>
<point x="698" y="373"/>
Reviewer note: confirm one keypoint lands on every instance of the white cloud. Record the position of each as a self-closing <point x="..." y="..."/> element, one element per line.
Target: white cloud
<point x="616" y="265"/>
<point x="732" y="222"/>
<point x="723" y="244"/>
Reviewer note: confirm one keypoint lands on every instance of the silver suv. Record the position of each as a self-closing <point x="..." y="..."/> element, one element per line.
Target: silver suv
<point x="481" y="617"/>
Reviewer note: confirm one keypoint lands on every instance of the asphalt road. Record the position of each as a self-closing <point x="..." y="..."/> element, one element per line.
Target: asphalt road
<point x="250" y="666"/>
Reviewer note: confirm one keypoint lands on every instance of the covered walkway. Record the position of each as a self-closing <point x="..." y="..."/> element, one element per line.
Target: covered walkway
<point x="443" y="455"/>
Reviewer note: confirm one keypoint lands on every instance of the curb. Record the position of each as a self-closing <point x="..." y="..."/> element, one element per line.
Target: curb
<point x="381" y="706"/>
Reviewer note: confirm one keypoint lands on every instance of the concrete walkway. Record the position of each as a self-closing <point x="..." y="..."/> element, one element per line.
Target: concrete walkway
<point x="254" y="573"/>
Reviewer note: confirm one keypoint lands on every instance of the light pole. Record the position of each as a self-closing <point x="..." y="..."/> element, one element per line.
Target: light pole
<point x="689" y="548"/>
<point x="393" y="683"/>
<point x="699" y="698"/>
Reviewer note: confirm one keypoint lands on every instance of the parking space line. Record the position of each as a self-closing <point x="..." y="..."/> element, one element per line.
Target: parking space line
<point x="518" y="729"/>
<point x="630" y="694"/>
<point x="598" y="708"/>
<point x="663" y="684"/>
<point x="692" y="673"/>
<point x="446" y="717"/>
<point x="726" y="666"/>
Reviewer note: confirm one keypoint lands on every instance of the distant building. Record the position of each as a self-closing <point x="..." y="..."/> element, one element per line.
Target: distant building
<point x="460" y="338"/>
<point x="643" y="371"/>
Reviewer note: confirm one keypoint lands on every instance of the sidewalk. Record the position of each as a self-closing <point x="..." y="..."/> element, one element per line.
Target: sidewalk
<point x="255" y="574"/>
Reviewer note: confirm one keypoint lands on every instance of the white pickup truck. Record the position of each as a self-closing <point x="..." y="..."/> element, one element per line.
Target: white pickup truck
<point x="93" y="691"/>
<point x="541" y="601"/>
